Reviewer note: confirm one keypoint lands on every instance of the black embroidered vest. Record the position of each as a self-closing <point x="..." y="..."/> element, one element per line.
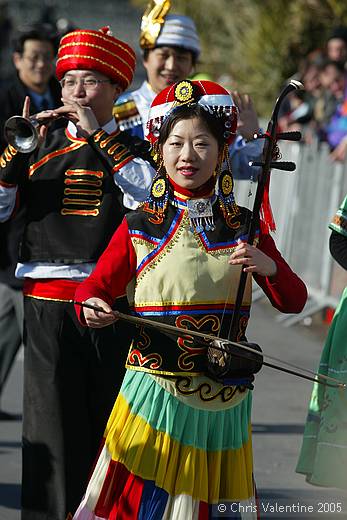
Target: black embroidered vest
<point x="183" y="278"/>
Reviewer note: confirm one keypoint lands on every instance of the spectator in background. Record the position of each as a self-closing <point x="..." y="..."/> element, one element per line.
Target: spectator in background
<point x="331" y="93"/>
<point x="332" y="78"/>
<point x="336" y="128"/>
<point x="33" y="57"/>
<point x="320" y="109"/>
<point x="298" y="109"/>
<point x="332" y="81"/>
<point x="336" y="46"/>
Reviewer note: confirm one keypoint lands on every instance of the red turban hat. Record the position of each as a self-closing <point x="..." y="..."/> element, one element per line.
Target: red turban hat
<point x="96" y="50"/>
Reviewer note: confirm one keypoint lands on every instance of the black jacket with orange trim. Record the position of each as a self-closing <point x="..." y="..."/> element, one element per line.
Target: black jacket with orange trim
<point x="73" y="205"/>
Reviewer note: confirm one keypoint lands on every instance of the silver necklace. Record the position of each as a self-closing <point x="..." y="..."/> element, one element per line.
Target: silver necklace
<point x="200" y="215"/>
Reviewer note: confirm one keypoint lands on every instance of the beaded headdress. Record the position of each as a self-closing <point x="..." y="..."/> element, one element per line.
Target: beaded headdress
<point x="210" y="95"/>
<point x="219" y="103"/>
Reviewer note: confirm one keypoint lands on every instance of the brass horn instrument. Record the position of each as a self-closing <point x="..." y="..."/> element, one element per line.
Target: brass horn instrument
<point x="22" y="132"/>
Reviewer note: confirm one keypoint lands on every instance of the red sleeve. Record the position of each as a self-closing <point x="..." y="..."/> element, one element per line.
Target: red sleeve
<point x="286" y="291"/>
<point x="114" y="270"/>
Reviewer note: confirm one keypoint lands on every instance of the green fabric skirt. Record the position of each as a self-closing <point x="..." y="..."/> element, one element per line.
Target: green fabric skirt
<point x="323" y="456"/>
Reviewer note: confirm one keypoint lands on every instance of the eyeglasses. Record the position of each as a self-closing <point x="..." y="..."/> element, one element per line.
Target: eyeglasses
<point x="34" y="58"/>
<point x="87" y="83"/>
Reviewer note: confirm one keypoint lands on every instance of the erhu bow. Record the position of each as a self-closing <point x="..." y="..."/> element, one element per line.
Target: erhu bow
<point x="240" y="349"/>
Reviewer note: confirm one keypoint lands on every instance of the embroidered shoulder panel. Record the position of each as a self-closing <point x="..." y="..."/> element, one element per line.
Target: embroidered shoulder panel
<point x="127" y="115"/>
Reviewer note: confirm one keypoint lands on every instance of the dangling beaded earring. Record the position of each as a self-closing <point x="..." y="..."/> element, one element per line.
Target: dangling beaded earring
<point x="157" y="201"/>
<point x="225" y="192"/>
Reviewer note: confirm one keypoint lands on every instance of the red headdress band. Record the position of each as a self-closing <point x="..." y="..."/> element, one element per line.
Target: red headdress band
<point x="210" y="95"/>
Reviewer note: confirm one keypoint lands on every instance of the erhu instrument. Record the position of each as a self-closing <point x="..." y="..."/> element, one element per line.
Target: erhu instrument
<point x="220" y="366"/>
<point x="240" y="349"/>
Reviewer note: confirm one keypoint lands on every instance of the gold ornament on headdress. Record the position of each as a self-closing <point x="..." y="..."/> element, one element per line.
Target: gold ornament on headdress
<point x="152" y="22"/>
<point x="184" y="92"/>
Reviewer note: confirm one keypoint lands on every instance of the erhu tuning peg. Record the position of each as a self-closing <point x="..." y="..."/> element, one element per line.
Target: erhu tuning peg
<point x="283" y="165"/>
<point x="289" y="136"/>
<point x="280" y="165"/>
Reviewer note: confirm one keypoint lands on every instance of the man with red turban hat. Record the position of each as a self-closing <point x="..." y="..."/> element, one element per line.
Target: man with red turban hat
<point x="78" y="183"/>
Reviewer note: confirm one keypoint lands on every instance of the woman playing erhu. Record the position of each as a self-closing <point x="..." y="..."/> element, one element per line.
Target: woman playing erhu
<point x="178" y="443"/>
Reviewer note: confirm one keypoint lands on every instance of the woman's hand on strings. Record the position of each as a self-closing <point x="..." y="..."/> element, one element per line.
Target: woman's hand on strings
<point x="99" y="319"/>
<point x="254" y="260"/>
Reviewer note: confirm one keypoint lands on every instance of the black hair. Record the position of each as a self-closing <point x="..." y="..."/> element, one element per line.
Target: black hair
<point x="337" y="64"/>
<point x="215" y="124"/>
<point x="177" y="48"/>
<point x="41" y="32"/>
<point x="339" y="32"/>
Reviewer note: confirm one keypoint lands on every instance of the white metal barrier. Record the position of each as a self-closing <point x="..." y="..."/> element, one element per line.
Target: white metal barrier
<point x="303" y="204"/>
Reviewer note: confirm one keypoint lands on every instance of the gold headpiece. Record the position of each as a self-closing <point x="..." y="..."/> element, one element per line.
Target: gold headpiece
<point x="152" y="22"/>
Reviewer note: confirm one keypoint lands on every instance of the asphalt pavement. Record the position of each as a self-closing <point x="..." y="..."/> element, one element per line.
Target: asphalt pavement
<point x="279" y="411"/>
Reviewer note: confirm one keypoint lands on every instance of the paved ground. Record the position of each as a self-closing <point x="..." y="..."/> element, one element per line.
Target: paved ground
<point x="279" y="412"/>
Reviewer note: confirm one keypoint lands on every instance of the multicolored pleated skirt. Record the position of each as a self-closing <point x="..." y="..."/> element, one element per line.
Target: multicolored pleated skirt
<point x="173" y="456"/>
